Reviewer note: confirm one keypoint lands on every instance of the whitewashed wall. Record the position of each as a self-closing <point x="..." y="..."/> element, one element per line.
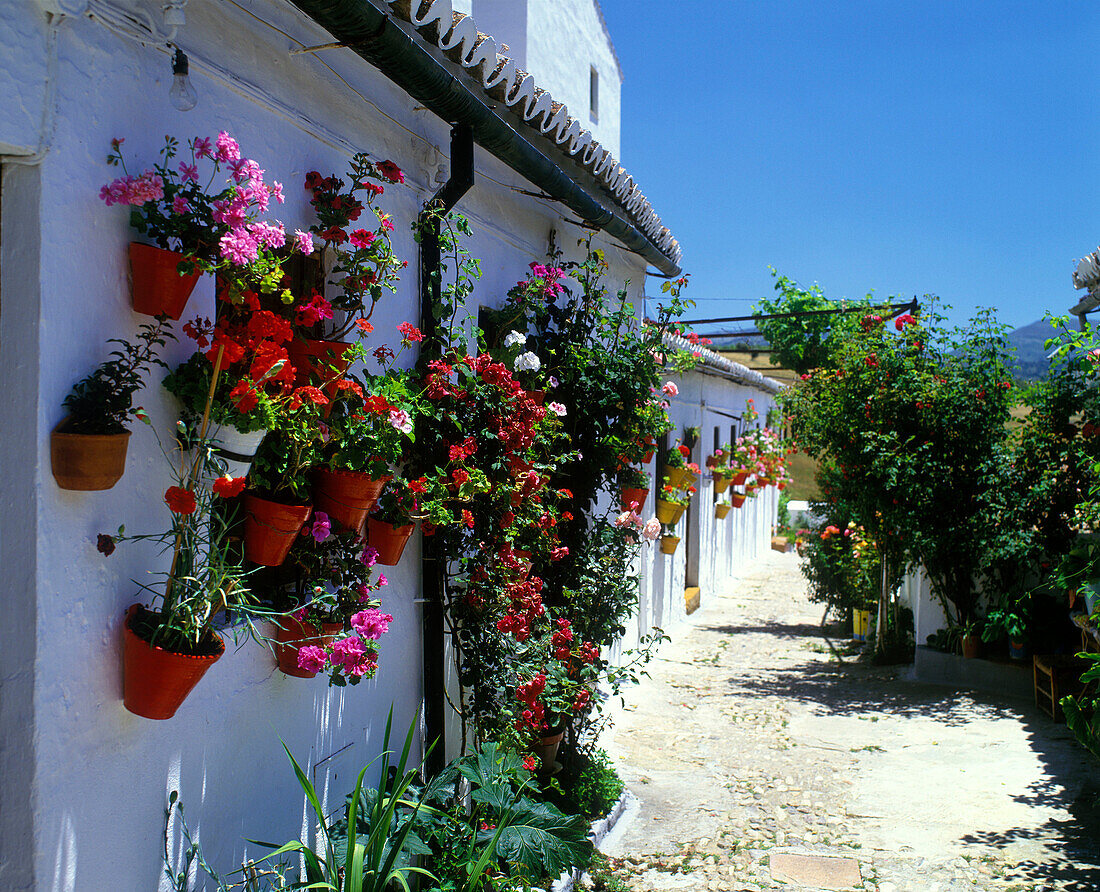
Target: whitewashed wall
<point x="84" y="781"/>
<point x="720" y="550"/>
<point x="565" y="38"/>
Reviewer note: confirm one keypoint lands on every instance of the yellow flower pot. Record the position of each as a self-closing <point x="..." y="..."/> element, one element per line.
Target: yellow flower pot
<point x="669" y="512"/>
<point x="722" y="509"/>
<point x="669" y="543"/>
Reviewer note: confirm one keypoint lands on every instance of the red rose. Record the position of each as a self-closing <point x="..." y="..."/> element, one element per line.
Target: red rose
<point x="229" y="487"/>
<point x="180" y="501"/>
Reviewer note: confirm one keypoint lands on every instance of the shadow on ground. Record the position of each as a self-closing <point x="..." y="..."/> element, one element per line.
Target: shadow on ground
<point x="853" y="688"/>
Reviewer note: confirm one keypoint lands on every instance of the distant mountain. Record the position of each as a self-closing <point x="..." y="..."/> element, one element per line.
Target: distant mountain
<point x="1031" y="355"/>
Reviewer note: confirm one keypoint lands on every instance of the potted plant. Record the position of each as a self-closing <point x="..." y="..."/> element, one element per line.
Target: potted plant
<point x="722" y="476"/>
<point x="170" y="643"/>
<point x="669" y="544"/>
<point x="672" y="502"/>
<point x="331" y="589"/>
<point x="970" y="638"/>
<point x="277" y="502"/>
<point x="390" y="525"/>
<point x="1007" y="622"/>
<point x="370" y="432"/>
<point x="722" y="508"/>
<point x="634" y="490"/>
<point x="88" y="446"/>
<point x="678" y="469"/>
<point x="192" y="230"/>
<point x="238" y="425"/>
<point x="363" y="264"/>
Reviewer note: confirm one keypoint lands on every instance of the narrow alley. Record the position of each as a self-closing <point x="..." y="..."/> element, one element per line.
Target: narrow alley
<point x="764" y="756"/>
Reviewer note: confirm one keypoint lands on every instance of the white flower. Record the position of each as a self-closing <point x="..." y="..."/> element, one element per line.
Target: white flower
<point x="556" y="408"/>
<point x="652" y="529"/>
<point x="527" y="362"/>
<point x="513" y="338"/>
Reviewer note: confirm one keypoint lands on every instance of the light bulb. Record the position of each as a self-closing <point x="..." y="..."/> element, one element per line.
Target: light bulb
<point x="182" y="94"/>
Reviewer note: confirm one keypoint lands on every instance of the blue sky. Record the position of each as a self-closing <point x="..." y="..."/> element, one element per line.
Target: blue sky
<point x="901" y="147"/>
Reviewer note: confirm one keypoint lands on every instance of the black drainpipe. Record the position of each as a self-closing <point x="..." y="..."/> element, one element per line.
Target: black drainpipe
<point x="433" y="564"/>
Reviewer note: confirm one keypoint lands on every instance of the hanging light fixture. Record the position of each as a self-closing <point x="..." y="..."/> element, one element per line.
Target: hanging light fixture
<point x="182" y="94"/>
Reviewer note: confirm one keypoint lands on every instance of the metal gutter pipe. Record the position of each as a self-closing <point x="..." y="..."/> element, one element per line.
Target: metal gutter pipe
<point x="432" y="563"/>
<point x="425" y="74"/>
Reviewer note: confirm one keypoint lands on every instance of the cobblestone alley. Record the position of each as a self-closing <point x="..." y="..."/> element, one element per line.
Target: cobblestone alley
<point x="762" y="761"/>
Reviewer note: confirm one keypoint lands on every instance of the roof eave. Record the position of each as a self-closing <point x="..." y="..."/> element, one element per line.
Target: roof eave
<point x="422" y="71"/>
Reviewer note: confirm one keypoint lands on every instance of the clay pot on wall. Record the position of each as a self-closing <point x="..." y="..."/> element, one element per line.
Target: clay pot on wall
<point x="270" y="529"/>
<point x="389" y="541"/>
<point x="156" y="287"/>
<point x="722" y="509"/>
<point x="669" y="544"/>
<point x="346" y="496"/>
<point x="155" y="682"/>
<point x="669" y="513"/>
<point x="87" y="462"/>
<point x="292" y="634"/>
<point x="634" y="494"/>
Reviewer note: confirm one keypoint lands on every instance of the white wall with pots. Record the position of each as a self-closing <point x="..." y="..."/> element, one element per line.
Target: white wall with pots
<point x="83" y="782"/>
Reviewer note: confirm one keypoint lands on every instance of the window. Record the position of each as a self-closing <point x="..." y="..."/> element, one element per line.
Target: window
<point x="594" y="93"/>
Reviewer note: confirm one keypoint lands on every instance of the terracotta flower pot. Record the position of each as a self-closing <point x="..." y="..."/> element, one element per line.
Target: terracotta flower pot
<point x="739" y="478"/>
<point x="669" y="512"/>
<point x="648" y="457"/>
<point x="722" y="509"/>
<point x="633" y="494"/>
<point x="292" y="634"/>
<point x="156" y="681"/>
<point x="781" y="486"/>
<point x="270" y="528"/>
<point x="721" y="483"/>
<point x="971" y="646"/>
<point x="319" y="363"/>
<point x="387" y="540"/>
<point x="155" y="283"/>
<point x="737" y="499"/>
<point x="346" y="496"/>
<point x="765" y="481"/>
<point x="87" y="462"/>
<point x="669" y="544"/>
<point x="546" y="750"/>
<point x="539" y="396"/>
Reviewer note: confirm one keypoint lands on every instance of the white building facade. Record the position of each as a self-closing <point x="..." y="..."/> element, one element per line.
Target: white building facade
<point x="82" y="781"/>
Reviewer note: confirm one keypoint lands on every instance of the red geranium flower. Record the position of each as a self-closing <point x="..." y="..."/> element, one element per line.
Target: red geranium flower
<point x="228" y="487"/>
<point x="390" y="171"/>
<point x="180" y="501"/>
<point x="410" y="332"/>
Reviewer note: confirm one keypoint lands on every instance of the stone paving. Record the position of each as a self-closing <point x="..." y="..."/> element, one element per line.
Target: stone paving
<point x="758" y="738"/>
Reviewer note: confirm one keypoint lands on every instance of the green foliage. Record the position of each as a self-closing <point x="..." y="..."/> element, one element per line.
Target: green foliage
<point x="597" y="786"/>
<point x="103" y="402"/>
<point x="843" y="566"/>
<point x="805" y="342"/>
<point x="505" y="832"/>
<point x="190" y="384"/>
<point x="911" y="422"/>
<point x="364" y="857"/>
<point x="1083" y="710"/>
